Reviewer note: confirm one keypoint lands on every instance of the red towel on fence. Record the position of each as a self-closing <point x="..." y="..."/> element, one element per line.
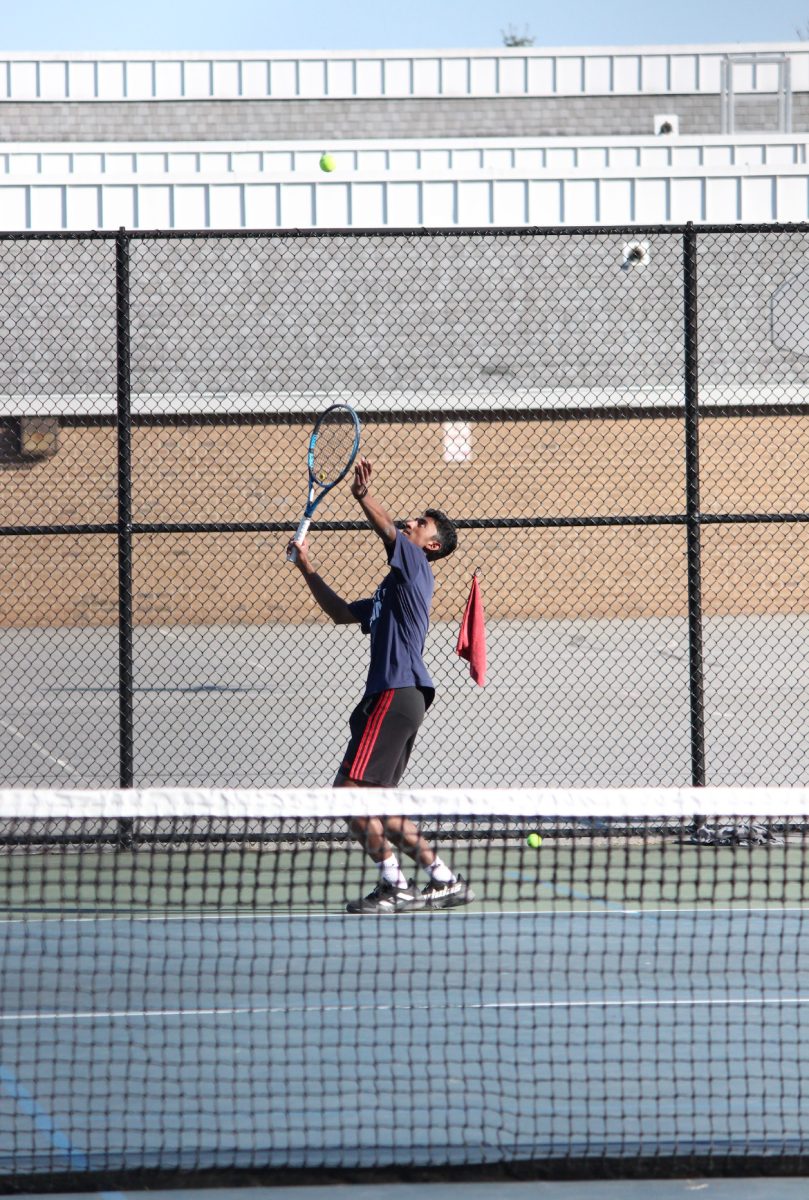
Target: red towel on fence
<point x="472" y="637"/>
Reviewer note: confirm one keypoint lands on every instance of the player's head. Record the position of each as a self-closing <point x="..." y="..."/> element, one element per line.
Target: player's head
<point x="434" y="532"/>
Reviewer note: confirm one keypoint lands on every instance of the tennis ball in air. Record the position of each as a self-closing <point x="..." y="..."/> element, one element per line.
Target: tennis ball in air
<point x="327" y="162"/>
<point x="534" y="841"/>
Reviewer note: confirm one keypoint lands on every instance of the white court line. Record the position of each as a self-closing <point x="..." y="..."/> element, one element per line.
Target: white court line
<point x="270" y="1010"/>
<point x="350" y="919"/>
<point x="40" y="749"/>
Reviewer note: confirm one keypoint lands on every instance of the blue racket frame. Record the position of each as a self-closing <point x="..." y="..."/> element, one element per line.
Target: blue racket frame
<point x="313" y="500"/>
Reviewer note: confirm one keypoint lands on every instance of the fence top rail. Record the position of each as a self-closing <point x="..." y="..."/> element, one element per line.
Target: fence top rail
<point x="433" y="416"/>
<point x="483" y="231"/>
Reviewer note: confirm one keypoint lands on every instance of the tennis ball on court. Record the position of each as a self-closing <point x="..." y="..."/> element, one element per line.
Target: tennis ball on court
<point x="327" y="162"/>
<point x="534" y="841"/>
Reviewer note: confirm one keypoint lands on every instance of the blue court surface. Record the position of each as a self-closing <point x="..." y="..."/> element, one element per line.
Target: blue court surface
<point x="680" y="1189"/>
<point x="317" y="1039"/>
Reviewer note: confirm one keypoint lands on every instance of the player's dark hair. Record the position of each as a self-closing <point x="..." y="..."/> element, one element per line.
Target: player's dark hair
<point x="447" y="535"/>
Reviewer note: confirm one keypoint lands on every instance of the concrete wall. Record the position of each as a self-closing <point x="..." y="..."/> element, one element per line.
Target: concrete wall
<point x="452" y="321"/>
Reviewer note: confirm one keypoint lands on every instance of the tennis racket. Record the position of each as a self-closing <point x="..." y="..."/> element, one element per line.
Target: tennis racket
<point x="333" y="447"/>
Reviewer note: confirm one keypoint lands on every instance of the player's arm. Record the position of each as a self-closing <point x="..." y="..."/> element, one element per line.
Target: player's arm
<point x="378" y="518"/>
<point x="333" y="605"/>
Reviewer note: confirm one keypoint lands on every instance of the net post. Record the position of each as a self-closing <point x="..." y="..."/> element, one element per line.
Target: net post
<point x="693" y="515"/>
<point x="124" y="516"/>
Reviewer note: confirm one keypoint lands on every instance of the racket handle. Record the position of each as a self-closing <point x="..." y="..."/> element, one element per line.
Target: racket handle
<point x="303" y="529"/>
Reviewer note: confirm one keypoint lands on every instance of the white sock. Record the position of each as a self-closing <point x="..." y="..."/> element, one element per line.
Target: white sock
<point x="391" y="872"/>
<point x="439" y="872"/>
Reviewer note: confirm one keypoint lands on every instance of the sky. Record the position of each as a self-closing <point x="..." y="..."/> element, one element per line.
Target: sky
<point x="387" y="24"/>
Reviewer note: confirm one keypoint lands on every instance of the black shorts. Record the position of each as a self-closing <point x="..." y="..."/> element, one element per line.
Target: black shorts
<point x="383" y="730"/>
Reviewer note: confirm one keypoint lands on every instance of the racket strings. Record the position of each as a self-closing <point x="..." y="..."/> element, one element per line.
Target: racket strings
<point x="334" y="447"/>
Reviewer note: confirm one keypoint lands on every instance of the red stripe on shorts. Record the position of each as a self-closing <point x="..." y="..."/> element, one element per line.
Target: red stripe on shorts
<point x="370" y="734"/>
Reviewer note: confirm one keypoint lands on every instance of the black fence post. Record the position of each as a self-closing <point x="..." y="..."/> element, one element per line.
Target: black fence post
<point x="692" y="501"/>
<point x="124" y="521"/>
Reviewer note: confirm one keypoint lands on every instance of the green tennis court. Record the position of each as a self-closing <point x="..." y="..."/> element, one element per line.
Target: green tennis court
<point x="305" y="874"/>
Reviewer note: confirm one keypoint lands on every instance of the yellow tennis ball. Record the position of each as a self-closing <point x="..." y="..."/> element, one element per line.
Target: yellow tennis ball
<point x="534" y="841"/>
<point x="327" y="162"/>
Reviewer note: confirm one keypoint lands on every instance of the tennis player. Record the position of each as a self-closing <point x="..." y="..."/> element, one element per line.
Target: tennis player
<point x="398" y="692"/>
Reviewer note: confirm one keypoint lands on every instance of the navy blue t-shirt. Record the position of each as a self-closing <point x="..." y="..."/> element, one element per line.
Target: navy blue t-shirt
<point x="397" y="618"/>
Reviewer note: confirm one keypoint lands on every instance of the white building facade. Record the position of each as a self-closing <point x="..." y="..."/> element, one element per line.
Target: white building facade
<point x="507" y="137"/>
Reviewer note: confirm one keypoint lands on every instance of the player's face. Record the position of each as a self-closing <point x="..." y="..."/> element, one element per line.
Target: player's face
<point x="421" y="531"/>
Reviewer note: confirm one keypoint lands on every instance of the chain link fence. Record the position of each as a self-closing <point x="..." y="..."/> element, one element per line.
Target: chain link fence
<point x="617" y="419"/>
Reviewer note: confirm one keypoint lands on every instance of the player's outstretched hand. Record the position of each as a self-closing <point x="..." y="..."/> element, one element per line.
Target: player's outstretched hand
<point x="362" y="477"/>
<point x="302" y="548"/>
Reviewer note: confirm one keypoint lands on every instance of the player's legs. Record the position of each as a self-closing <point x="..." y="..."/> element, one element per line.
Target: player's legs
<point x="394" y="892"/>
<point x="379" y="836"/>
<point x="383" y="732"/>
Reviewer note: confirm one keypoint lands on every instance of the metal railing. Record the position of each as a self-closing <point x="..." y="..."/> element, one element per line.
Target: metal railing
<point x="629" y="70"/>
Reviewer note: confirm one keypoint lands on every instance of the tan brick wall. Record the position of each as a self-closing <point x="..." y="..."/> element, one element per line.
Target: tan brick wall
<point x="520" y="469"/>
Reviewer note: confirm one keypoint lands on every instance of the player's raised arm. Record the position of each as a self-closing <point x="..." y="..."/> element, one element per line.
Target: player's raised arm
<point x="333" y="605"/>
<point x="379" y="519"/>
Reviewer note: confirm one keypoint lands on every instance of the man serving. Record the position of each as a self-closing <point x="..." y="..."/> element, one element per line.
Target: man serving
<point x="398" y="692"/>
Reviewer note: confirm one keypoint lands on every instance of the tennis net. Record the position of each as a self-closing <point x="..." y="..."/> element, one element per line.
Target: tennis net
<point x="183" y="991"/>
